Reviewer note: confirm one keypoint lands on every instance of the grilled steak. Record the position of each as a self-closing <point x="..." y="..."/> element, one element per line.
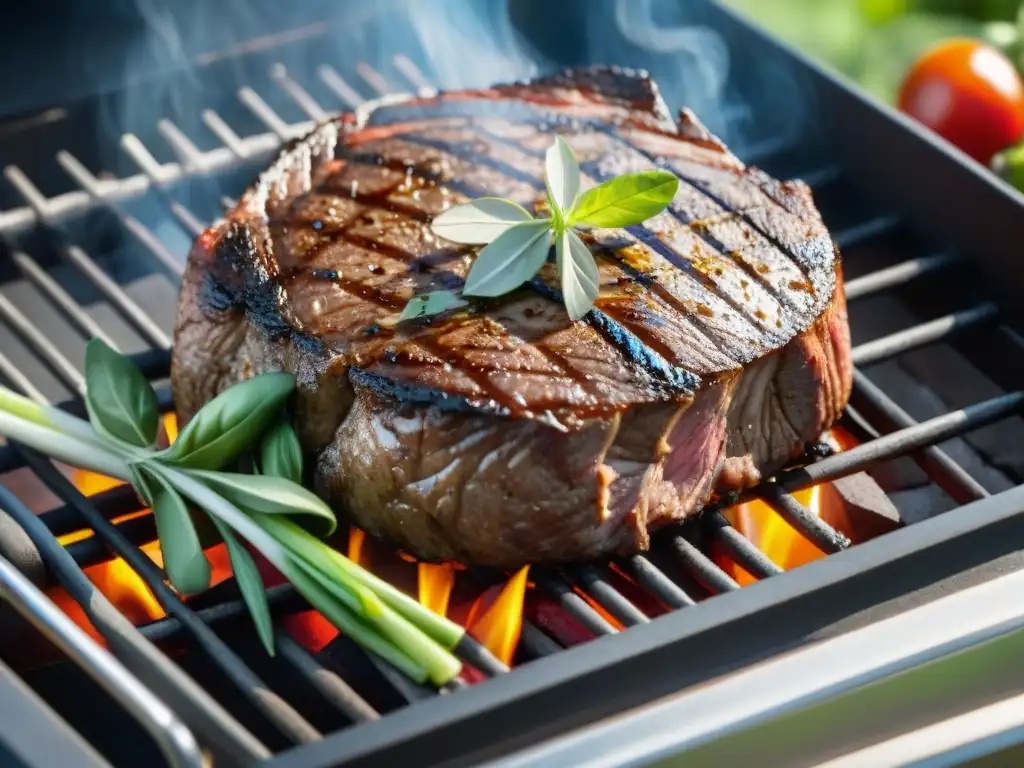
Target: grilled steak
<point x="505" y="433"/>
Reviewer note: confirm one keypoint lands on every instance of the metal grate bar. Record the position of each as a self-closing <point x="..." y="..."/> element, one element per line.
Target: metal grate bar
<point x="20" y="381"/>
<point x="298" y="94"/>
<point x="373" y="78"/>
<point x="262" y="111"/>
<point x="45" y="349"/>
<point x="468" y="649"/>
<point x="273" y="707"/>
<point x="58" y="297"/>
<point x="413" y="74"/>
<point x="700" y="566"/>
<point x="593" y="582"/>
<point x="935" y="462"/>
<point x="336" y="691"/>
<point x="188" y="153"/>
<point x="219" y="128"/>
<point x="556" y="588"/>
<point x="348" y="95"/>
<point x="822" y="535"/>
<point x="93" y="550"/>
<point x="201" y="711"/>
<point x="857" y="235"/>
<point x="535" y="642"/>
<point x="898" y="274"/>
<point x="110" y="290"/>
<point x="41" y="206"/>
<point x="822" y="177"/>
<point x="739" y="547"/>
<point x="905" y="441"/>
<point x="111" y="503"/>
<point x="175" y="741"/>
<point x="939" y="329"/>
<point x="644" y="572"/>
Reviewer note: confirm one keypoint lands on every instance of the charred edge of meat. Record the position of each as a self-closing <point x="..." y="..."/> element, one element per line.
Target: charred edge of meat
<point x="633" y="87"/>
<point x="419" y="395"/>
<point x="238" y="280"/>
<point x="678" y="381"/>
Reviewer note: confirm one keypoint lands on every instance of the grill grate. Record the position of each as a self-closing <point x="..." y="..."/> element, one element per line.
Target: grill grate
<point x="214" y="725"/>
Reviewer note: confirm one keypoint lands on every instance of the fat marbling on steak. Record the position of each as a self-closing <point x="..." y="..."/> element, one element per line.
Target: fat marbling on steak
<point x="505" y="433"/>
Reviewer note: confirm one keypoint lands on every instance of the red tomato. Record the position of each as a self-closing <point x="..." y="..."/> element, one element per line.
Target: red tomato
<point x="970" y="94"/>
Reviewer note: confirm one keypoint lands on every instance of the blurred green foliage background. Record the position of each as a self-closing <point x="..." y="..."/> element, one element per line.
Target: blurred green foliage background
<point x="876" y="41"/>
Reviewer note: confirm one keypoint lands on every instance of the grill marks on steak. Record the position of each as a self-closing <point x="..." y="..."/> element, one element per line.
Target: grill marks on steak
<point x="507" y="433"/>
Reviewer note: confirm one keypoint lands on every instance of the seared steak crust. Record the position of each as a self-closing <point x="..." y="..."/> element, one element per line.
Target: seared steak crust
<point x="507" y="433"/>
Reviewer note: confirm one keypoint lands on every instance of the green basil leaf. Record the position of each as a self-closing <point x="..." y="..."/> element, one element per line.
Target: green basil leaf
<point x="120" y="402"/>
<point x="432" y="303"/>
<point x="512" y="259"/>
<point x="184" y="560"/>
<point x="247" y="576"/>
<point x="230" y="423"/>
<point x="270" y="495"/>
<point x="281" y="453"/>
<point x="626" y="200"/>
<point x="580" y="279"/>
<point x="562" y="176"/>
<point x="479" y="221"/>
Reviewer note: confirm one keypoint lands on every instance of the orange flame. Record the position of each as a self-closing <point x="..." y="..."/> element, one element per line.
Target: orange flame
<point x="435" y="582"/>
<point x="356" y="539"/>
<point x="116" y="579"/>
<point x="770" y="533"/>
<point x="498" y="625"/>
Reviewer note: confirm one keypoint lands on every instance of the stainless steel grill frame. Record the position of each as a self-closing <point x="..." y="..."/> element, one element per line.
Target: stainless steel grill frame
<point x="560" y="690"/>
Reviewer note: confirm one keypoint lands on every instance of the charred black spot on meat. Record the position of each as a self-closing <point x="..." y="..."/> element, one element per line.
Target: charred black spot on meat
<point x="414" y="394"/>
<point x="238" y="279"/>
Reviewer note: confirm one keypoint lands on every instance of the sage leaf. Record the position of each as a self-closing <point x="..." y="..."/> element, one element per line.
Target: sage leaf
<point x="140" y="483"/>
<point x="247" y="576"/>
<point x="478" y="222"/>
<point x="432" y="303"/>
<point x="270" y="495"/>
<point x="626" y="200"/>
<point x="184" y="559"/>
<point x="281" y="453"/>
<point x="580" y="278"/>
<point x="230" y="423"/>
<point x="512" y="259"/>
<point x="120" y="402"/>
<point x="561" y="175"/>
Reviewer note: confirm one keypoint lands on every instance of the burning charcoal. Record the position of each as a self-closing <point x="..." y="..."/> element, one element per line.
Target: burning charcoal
<point x="858" y="507"/>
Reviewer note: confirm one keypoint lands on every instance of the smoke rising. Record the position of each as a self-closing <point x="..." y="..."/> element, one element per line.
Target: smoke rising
<point x="455" y="43"/>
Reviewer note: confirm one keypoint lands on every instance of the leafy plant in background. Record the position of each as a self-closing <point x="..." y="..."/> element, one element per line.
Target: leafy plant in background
<point x="518" y="244"/>
<point x="263" y="509"/>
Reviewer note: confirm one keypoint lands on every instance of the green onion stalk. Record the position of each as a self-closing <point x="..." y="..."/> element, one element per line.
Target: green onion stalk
<point x="373" y="613"/>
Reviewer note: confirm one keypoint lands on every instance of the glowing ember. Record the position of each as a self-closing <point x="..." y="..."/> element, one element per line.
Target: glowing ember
<point x="116" y="579"/>
<point x="435" y="582"/>
<point x="356" y="539"/>
<point x="770" y="533"/>
<point x="498" y="625"/>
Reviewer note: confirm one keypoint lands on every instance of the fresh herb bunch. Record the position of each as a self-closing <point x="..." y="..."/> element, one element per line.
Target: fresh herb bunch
<point x="518" y="245"/>
<point x="119" y="441"/>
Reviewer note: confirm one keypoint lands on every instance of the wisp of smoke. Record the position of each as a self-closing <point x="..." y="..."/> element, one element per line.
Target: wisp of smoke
<point x="456" y="44"/>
